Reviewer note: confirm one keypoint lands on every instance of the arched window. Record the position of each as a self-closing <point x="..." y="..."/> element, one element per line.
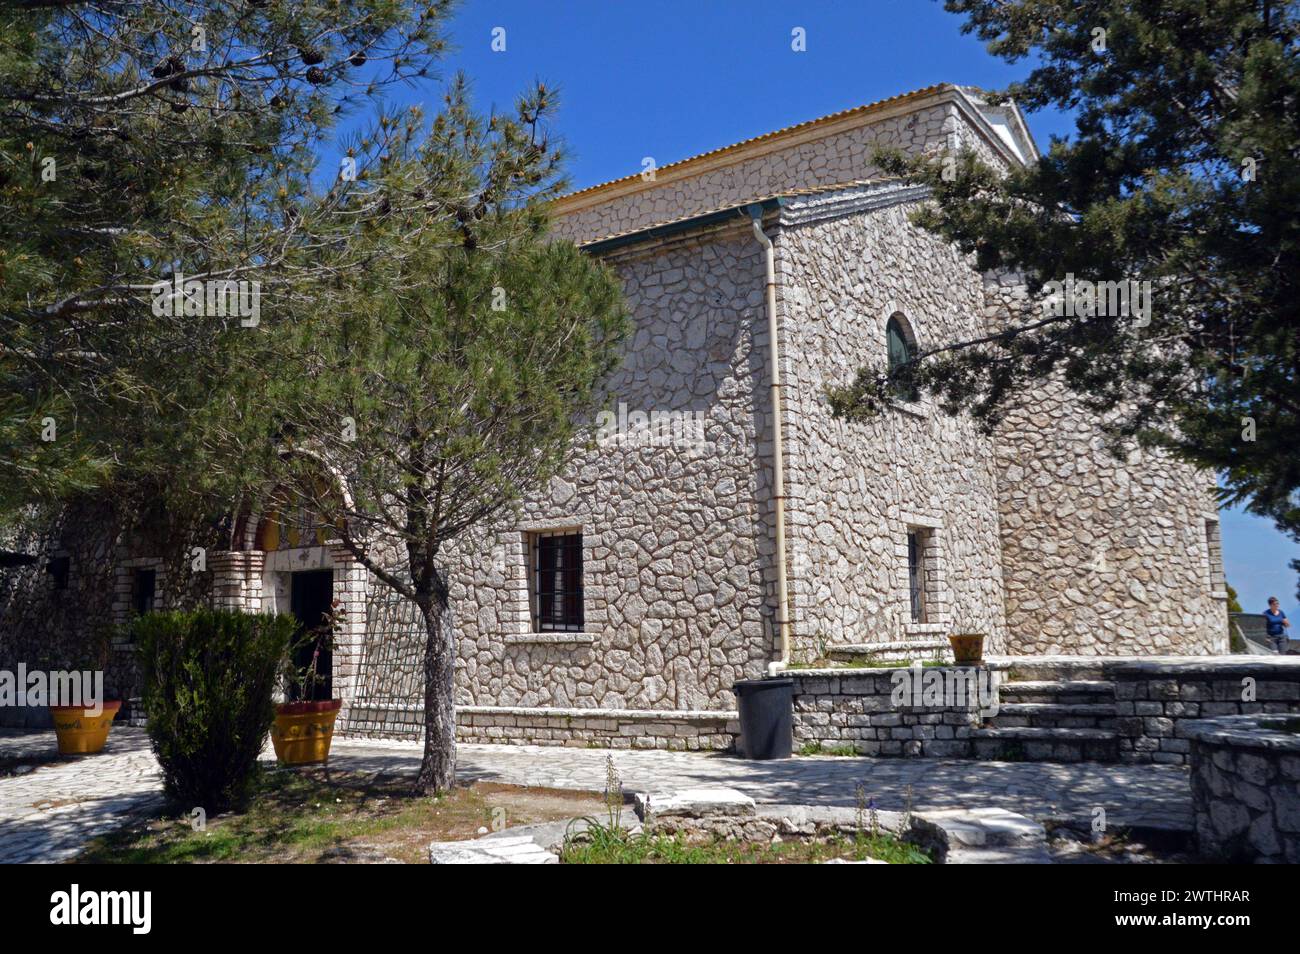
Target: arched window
<point x="902" y="349"/>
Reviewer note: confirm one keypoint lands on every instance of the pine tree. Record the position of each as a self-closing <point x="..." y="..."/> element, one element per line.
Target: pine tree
<point x="141" y="142"/>
<point x="454" y="377"/>
<point x="1182" y="172"/>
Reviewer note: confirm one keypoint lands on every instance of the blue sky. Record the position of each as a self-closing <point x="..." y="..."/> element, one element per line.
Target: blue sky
<point x="670" y="78"/>
<point x="673" y="78"/>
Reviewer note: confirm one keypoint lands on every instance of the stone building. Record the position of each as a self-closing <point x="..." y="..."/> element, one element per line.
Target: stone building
<point x="625" y="599"/>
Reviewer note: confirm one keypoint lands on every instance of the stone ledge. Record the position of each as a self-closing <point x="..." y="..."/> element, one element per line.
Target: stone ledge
<point x="649" y="715"/>
<point x="894" y="645"/>
<point x="930" y="629"/>
<point x="1256" y="731"/>
<point x="1045" y="734"/>
<point x="692" y="803"/>
<point x="884" y="671"/>
<point x="983" y="827"/>
<point x="1170" y="665"/>
<point x="916" y="409"/>
<point x="1287" y="667"/>
<point x="551" y="639"/>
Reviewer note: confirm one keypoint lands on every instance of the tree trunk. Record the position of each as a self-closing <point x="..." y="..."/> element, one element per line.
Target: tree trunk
<point x="438" y="767"/>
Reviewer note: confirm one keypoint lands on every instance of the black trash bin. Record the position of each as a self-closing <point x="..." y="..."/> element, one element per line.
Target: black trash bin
<point x="766" y="717"/>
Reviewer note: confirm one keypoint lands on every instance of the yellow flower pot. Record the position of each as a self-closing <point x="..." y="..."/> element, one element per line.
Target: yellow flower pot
<point x="303" y="730"/>
<point x="967" y="648"/>
<point x="79" y="731"/>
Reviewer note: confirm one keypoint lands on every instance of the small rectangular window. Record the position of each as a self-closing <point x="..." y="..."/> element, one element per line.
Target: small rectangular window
<point x="143" y="592"/>
<point x="557" y="582"/>
<point x="916" y="574"/>
<point x="1214" y="550"/>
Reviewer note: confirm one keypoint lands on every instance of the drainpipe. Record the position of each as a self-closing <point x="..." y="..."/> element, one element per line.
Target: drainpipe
<point x="778" y="462"/>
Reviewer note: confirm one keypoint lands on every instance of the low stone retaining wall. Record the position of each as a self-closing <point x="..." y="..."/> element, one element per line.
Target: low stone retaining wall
<point x="25" y="717"/>
<point x="681" y="729"/>
<point x="1053" y="708"/>
<point x="913" y="711"/>
<point x="1155" y="700"/>
<point x="1138" y="708"/>
<point x="1246" y="787"/>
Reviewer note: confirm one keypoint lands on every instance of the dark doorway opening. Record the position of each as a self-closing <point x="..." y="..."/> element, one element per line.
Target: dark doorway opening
<point x="311" y="594"/>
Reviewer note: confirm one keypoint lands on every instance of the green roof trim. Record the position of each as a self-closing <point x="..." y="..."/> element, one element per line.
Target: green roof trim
<point x="745" y="210"/>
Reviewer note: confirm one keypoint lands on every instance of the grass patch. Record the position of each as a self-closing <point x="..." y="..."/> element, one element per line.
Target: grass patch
<point x="315" y="815"/>
<point x="869" y="664"/>
<point x="842" y="750"/>
<point x="602" y="845"/>
<point x="900" y="663"/>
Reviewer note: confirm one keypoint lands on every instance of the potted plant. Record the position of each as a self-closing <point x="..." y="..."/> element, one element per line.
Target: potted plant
<point x="304" y="725"/>
<point x="83" y="729"/>
<point x="967" y="648"/>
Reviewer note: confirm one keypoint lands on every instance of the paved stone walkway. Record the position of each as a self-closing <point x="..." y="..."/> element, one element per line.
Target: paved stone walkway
<point x="49" y="812"/>
<point x="1157" y="796"/>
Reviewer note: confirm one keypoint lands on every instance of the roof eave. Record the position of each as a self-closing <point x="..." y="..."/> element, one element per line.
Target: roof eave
<point x="758" y="145"/>
<point x="667" y="230"/>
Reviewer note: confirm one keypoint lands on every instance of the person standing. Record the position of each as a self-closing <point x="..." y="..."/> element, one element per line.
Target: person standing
<point x="1277" y="624"/>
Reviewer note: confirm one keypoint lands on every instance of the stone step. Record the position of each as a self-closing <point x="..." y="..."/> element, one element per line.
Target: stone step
<point x="1058" y="692"/>
<point x="1045" y="744"/>
<point x="1086" y="735"/>
<point x="1052" y="715"/>
<point x="982" y="836"/>
<point x="1025" y="668"/>
<point x="922" y="649"/>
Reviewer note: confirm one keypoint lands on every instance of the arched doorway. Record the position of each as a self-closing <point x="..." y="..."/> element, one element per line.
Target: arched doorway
<point x="291" y="560"/>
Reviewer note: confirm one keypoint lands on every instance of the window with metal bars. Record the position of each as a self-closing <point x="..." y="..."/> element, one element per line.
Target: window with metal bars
<point x="916" y="574"/>
<point x="557" y="582"/>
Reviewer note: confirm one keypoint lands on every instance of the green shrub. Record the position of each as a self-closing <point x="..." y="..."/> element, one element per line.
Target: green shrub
<point x="208" y="680"/>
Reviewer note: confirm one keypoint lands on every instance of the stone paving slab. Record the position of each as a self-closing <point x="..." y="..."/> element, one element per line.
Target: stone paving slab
<point x="48" y="813"/>
<point x="1156" y="796"/>
<point x="515" y="850"/>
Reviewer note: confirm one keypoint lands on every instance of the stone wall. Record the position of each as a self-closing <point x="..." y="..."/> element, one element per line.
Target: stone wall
<point x="1246" y="788"/>
<point x="712" y="730"/>
<point x="1100" y="556"/>
<point x="1156" y="703"/>
<point x="865" y="712"/>
<point x="676" y="533"/>
<point x="54" y="619"/>
<point x="848" y="262"/>
<point x="61" y="610"/>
